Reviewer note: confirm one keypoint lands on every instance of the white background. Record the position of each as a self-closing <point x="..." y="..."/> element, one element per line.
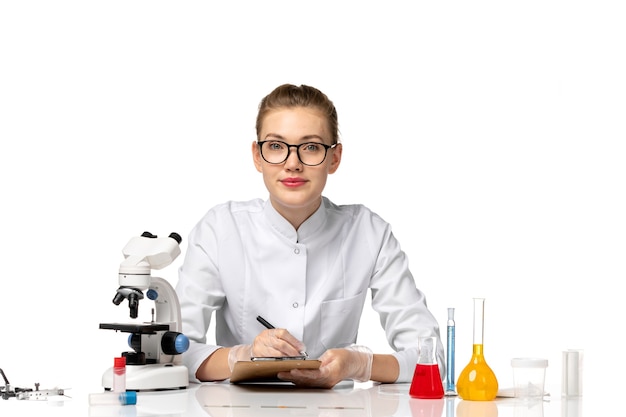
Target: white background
<point x="489" y="134"/>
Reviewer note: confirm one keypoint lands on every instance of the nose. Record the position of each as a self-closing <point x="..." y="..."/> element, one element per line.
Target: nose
<point x="292" y="163"/>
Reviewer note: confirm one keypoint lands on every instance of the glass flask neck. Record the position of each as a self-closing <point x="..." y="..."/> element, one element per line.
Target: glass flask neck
<point x="427" y="348"/>
<point x="478" y="355"/>
<point x="479" y="321"/>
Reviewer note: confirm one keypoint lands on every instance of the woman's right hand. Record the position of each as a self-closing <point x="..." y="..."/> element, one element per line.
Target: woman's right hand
<point x="276" y="342"/>
<point x="268" y="343"/>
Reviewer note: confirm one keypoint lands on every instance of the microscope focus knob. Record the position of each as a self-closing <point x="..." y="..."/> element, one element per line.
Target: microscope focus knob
<point x="174" y="343"/>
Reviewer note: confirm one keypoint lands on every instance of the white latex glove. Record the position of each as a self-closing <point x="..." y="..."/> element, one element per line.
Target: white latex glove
<point x="353" y="362"/>
<point x="239" y="353"/>
<point x="359" y="367"/>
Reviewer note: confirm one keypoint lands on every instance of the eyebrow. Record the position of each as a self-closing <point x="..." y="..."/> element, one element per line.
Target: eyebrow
<point x="303" y="139"/>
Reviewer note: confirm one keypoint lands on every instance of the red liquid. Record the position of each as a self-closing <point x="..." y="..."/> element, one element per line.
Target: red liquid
<point x="426" y="382"/>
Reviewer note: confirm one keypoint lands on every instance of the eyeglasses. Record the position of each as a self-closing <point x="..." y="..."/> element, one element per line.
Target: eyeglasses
<point x="310" y="153"/>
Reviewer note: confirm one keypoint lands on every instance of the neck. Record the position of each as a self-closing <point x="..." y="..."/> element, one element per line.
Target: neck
<point x="296" y="215"/>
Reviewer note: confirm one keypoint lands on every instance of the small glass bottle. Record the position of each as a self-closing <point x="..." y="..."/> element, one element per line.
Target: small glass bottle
<point x="119" y="374"/>
<point x="426" y="383"/>
<point x="450" y="388"/>
<point x="477" y="382"/>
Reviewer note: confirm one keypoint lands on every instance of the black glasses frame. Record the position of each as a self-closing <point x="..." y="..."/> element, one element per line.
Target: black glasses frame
<point x="326" y="148"/>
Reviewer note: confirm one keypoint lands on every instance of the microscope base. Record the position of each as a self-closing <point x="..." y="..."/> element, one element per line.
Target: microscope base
<point x="159" y="376"/>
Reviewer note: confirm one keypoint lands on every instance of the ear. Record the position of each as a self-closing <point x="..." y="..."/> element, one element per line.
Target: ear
<point x="256" y="156"/>
<point x="336" y="159"/>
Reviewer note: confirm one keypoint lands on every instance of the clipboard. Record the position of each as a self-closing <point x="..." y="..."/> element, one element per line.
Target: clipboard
<point x="266" y="371"/>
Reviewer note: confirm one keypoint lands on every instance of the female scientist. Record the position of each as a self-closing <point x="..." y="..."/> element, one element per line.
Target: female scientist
<point x="300" y="261"/>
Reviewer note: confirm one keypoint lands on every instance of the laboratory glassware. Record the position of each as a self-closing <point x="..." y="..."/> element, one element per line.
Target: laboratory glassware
<point x="426" y="383"/>
<point x="450" y="388"/>
<point x="477" y="381"/>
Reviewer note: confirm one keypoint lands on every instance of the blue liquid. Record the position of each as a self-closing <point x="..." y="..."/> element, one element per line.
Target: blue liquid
<point x="450" y="388"/>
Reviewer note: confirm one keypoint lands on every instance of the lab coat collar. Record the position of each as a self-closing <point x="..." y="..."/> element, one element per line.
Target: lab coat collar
<point x="306" y="230"/>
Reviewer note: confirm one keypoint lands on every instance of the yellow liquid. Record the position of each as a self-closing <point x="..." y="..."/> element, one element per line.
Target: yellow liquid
<point x="477" y="382"/>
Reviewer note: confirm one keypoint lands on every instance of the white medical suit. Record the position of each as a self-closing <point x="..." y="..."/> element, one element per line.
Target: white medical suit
<point x="245" y="260"/>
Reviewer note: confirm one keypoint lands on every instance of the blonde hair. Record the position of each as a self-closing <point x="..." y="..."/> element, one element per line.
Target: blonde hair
<point x="289" y="95"/>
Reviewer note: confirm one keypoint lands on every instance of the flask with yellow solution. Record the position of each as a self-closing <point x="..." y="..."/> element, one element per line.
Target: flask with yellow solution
<point x="477" y="382"/>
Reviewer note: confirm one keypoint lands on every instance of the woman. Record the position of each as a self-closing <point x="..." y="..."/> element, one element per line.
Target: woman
<point x="300" y="261"/>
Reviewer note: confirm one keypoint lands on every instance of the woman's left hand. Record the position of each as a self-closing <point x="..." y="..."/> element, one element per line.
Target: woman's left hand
<point x="354" y="362"/>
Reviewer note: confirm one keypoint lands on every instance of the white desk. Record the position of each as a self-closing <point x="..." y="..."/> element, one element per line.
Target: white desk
<point x="226" y="400"/>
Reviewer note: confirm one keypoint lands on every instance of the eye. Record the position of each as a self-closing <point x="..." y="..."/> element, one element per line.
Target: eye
<point x="275" y="145"/>
<point x="311" y="147"/>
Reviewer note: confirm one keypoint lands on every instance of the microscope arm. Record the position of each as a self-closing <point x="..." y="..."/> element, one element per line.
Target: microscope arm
<point x="166" y="303"/>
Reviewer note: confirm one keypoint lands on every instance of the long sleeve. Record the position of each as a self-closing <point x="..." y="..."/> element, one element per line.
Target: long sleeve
<point x="200" y="293"/>
<point x="402" y="307"/>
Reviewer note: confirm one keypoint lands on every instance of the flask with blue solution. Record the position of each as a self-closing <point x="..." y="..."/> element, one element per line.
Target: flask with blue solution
<point x="450" y="388"/>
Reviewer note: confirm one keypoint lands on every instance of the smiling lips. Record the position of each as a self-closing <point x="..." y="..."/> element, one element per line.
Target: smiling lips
<point x="293" y="182"/>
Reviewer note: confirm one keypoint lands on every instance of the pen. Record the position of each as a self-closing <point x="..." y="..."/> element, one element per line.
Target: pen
<point x="268" y="325"/>
<point x="264" y="322"/>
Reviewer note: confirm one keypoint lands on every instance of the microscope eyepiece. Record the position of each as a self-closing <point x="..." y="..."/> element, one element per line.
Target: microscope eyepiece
<point x="176" y="237"/>
<point x="173" y="235"/>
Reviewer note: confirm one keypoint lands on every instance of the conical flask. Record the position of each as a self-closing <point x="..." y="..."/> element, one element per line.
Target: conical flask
<point x="477" y="382"/>
<point x="426" y="383"/>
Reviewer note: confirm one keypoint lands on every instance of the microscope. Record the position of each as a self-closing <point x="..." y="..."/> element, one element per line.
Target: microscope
<point x="155" y="362"/>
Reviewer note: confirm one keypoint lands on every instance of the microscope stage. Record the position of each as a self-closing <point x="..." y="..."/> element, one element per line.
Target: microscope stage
<point x="145" y="328"/>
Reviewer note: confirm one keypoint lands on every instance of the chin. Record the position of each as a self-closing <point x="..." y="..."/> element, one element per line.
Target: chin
<point x="298" y="203"/>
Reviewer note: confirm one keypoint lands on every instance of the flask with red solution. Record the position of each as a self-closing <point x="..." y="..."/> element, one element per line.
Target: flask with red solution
<point x="426" y="383"/>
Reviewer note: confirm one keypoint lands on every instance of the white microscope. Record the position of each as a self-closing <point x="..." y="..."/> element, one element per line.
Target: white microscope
<point x="155" y="362"/>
